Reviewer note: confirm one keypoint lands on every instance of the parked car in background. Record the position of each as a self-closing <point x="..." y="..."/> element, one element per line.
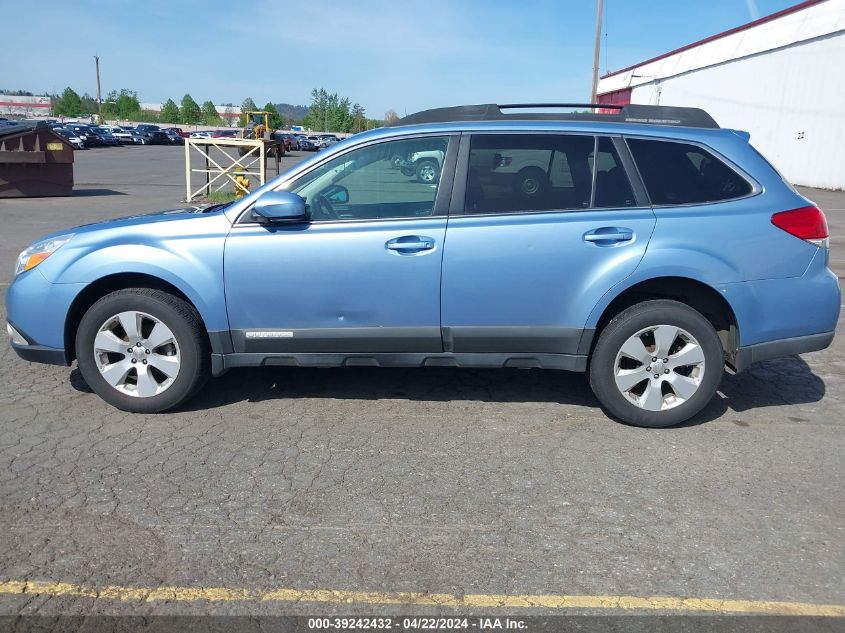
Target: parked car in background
<point x="224" y="134"/>
<point x="70" y="136"/>
<point x="316" y="143"/>
<point x="158" y="137"/>
<point x="202" y="134"/>
<point x="87" y="134"/>
<point x="139" y="138"/>
<point x="328" y="140"/>
<point x="294" y="141"/>
<point x="178" y="131"/>
<point x="105" y="134"/>
<point x="122" y="134"/>
<point x="307" y="145"/>
<point x="286" y="139"/>
<point x="174" y="137"/>
<point x="147" y="127"/>
<point x="425" y="165"/>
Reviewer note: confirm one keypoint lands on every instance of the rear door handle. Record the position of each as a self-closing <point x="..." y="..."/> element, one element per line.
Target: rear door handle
<point x="609" y="234"/>
<point x="410" y="244"/>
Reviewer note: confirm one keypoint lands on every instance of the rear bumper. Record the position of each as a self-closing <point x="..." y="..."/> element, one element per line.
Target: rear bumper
<point x="777" y="349"/>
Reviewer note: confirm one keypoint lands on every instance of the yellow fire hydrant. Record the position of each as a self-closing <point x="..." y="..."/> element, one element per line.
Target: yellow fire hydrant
<point x="242" y="187"/>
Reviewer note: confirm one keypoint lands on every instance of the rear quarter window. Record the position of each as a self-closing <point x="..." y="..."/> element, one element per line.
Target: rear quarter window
<point x="681" y="173"/>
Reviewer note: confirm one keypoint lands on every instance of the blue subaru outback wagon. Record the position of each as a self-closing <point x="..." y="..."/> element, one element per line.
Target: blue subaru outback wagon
<point x="647" y="247"/>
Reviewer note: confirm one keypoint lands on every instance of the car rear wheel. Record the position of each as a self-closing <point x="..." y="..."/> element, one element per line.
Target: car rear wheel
<point x="531" y="182"/>
<point x="656" y="364"/>
<point x="142" y="350"/>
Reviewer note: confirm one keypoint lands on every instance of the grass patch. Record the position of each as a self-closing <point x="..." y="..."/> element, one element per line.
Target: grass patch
<point x="217" y="197"/>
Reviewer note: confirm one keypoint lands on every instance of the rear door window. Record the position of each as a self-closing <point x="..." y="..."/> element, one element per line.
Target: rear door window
<point x="680" y="173"/>
<point x="510" y="173"/>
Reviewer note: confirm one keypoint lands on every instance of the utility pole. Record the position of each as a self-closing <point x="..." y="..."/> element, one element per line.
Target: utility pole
<point x="99" y="96"/>
<point x="594" y="96"/>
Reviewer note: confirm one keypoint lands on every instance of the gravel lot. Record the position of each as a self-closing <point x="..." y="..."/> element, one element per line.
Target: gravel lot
<point x="388" y="480"/>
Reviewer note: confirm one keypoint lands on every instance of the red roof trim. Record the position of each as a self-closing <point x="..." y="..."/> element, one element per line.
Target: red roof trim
<point x="763" y="20"/>
<point x="24" y="104"/>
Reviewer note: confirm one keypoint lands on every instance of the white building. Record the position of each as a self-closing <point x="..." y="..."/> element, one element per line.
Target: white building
<point x="15" y="105"/>
<point x="781" y="78"/>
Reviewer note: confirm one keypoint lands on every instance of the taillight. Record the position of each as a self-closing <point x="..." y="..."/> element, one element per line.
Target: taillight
<point x="807" y="223"/>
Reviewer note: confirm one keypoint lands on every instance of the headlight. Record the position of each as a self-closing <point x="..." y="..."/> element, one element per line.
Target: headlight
<point x="38" y="252"/>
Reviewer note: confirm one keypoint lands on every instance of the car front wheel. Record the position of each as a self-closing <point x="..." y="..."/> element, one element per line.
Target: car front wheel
<point x="427" y="172"/>
<point x="656" y="364"/>
<point x="142" y="350"/>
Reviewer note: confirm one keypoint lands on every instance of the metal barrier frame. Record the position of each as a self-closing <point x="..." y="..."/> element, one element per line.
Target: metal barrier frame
<point x="238" y="167"/>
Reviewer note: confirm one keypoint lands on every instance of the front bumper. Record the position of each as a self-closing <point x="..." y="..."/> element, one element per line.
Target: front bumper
<point x="407" y="167"/>
<point x="28" y="350"/>
<point x="37" y="310"/>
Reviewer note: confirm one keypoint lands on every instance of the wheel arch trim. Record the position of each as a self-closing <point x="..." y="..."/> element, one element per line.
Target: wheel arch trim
<point x="219" y="338"/>
<point x="669" y="286"/>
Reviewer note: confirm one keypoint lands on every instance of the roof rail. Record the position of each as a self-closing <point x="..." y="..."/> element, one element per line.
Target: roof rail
<point x="630" y="113"/>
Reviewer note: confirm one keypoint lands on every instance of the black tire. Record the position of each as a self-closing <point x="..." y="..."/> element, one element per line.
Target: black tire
<point x="628" y="323"/>
<point x="395" y="160"/>
<point x="427" y="171"/>
<point x="531" y="182"/>
<point x="182" y="320"/>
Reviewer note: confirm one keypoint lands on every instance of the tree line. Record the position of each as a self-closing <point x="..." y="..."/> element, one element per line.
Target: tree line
<point x="124" y="105"/>
<point x="328" y="112"/>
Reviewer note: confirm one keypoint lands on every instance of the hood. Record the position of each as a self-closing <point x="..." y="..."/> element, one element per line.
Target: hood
<point x="154" y="218"/>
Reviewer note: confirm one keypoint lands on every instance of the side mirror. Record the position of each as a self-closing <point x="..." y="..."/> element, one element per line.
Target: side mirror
<point x="280" y="206"/>
<point x="337" y="194"/>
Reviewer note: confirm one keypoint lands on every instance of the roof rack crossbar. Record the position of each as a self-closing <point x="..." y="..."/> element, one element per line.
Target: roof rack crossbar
<point x="630" y="113"/>
<point x="514" y="106"/>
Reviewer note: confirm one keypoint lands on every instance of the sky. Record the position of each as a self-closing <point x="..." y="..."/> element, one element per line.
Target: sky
<point x="383" y="54"/>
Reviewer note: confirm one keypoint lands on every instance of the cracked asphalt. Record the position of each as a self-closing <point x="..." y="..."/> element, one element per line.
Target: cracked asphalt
<point x="436" y="480"/>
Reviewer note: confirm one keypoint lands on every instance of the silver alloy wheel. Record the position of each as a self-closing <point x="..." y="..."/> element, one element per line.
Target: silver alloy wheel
<point x="427" y="172"/>
<point x="659" y="367"/>
<point x="137" y="354"/>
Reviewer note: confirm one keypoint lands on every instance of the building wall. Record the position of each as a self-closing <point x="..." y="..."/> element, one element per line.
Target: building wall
<point x="790" y="99"/>
<point x="26" y="106"/>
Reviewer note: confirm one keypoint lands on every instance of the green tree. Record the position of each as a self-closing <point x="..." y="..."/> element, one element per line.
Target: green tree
<point x="169" y="112"/>
<point x="146" y="116"/>
<point x="69" y="104"/>
<point x="329" y="112"/>
<point x="275" y="118"/>
<point x="122" y="105"/>
<point x="229" y="114"/>
<point x="210" y="115"/>
<point x="190" y="112"/>
<point x="247" y="105"/>
<point x="128" y="105"/>
<point x="89" y="104"/>
<point x="359" y="120"/>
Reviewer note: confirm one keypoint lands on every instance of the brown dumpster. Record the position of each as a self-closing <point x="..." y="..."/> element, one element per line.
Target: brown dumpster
<point x="34" y="161"/>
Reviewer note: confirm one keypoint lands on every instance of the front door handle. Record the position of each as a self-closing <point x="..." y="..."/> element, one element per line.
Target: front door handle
<point x="408" y="244"/>
<point x="609" y="235"/>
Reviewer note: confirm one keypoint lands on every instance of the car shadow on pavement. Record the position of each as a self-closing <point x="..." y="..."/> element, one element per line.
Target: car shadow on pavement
<point x="79" y="193"/>
<point x="774" y="383"/>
